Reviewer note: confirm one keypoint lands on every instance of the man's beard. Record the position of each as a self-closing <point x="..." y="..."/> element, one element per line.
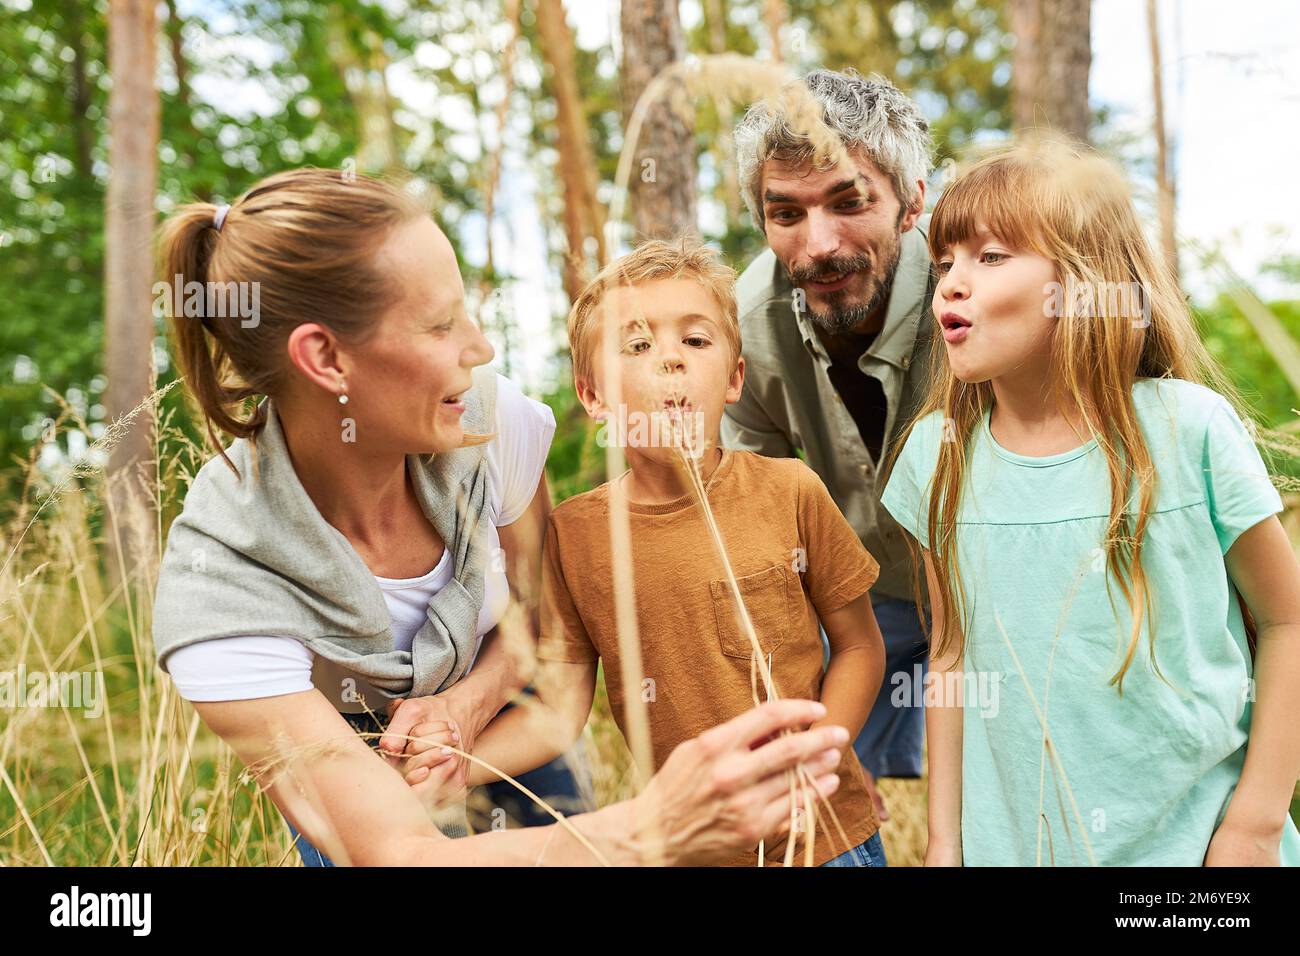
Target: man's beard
<point x="844" y="316"/>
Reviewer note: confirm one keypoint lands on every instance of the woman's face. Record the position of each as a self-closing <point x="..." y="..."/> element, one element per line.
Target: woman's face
<point x="406" y="381"/>
<point x="991" y="306"/>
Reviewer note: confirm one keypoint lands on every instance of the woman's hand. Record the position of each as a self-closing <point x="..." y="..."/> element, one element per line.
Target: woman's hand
<point x="429" y="748"/>
<point x="436" y="774"/>
<point x="439" y="782"/>
<point x="722" y="792"/>
<point x="421" y="726"/>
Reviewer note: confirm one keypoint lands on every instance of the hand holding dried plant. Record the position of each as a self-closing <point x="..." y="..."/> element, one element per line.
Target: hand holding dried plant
<point x="720" y="791"/>
<point x="423" y="743"/>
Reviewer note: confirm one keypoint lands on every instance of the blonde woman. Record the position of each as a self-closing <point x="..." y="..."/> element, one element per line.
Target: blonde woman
<point x="351" y="555"/>
<point x="1090" y="506"/>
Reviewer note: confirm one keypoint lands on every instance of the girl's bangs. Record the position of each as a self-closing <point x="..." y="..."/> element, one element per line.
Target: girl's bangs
<point x="1000" y="197"/>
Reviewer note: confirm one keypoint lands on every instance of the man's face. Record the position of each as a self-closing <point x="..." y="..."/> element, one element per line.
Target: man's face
<point x="838" y="243"/>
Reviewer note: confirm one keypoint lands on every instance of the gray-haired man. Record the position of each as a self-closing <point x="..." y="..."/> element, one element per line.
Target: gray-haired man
<point x="837" y="329"/>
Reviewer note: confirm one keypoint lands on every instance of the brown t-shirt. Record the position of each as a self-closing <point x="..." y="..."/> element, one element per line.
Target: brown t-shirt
<point x="795" y="557"/>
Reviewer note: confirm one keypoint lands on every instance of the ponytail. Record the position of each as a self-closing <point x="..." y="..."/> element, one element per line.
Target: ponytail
<point x="185" y="251"/>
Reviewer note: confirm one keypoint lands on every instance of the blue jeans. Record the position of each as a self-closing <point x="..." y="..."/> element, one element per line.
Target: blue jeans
<point x="889" y="744"/>
<point x="310" y="855"/>
<point x="564" y="783"/>
<point x="870" y="853"/>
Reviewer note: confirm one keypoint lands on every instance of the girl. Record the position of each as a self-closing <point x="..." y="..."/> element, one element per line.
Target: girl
<point x="357" y="543"/>
<point x="1091" y="508"/>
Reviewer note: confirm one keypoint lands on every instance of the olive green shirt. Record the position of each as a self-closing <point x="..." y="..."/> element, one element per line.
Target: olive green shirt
<point x="789" y="406"/>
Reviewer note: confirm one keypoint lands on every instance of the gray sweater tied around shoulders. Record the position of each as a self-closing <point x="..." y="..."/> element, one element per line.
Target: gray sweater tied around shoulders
<point x="250" y="555"/>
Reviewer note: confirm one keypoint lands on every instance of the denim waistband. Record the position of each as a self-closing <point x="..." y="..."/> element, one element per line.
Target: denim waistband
<point x="367" y="724"/>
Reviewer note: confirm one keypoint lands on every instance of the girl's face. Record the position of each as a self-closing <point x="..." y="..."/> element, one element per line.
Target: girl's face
<point x="991" y="303"/>
<point x="407" y="382"/>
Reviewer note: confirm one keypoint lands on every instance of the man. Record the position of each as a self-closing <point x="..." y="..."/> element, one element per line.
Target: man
<point x="837" y="329"/>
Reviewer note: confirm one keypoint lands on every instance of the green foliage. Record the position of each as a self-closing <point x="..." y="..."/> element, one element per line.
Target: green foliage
<point x="576" y="462"/>
<point x="51" y="211"/>
<point x="1251" y="367"/>
<point x="1288" y="268"/>
<point x="267" y="86"/>
<point x="249" y="88"/>
<point x="952" y="58"/>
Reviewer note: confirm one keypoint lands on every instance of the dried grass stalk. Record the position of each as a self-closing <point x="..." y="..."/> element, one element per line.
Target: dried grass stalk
<point x="691" y="449"/>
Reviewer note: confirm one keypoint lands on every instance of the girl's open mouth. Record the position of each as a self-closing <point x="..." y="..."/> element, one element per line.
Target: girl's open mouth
<point x="955" y="328"/>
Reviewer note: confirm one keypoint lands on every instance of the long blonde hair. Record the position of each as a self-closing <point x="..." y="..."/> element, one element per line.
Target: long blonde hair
<point x="1072" y="206"/>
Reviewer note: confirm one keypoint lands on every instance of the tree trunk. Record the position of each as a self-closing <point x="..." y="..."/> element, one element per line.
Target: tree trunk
<point x="662" y="188"/>
<point x="364" y="74"/>
<point x="81" y="124"/>
<point x="715" y="12"/>
<point x="133" y="123"/>
<point x="493" y="314"/>
<point x="583" y="216"/>
<point x="1026" y="68"/>
<point x="1165" y="196"/>
<point x="775" y="16"/>
<point x="1050" y="65"/>
<point x="175" y="34"/>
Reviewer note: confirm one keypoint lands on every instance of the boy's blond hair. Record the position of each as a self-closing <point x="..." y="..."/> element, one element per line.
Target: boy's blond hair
<point x="654" y="259"/>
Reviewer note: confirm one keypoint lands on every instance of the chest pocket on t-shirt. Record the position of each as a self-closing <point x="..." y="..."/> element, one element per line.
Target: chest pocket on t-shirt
<point x="767" y="597"/>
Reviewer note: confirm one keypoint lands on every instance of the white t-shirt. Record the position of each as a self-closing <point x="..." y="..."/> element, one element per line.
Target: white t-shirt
<point x="242" y="668"/>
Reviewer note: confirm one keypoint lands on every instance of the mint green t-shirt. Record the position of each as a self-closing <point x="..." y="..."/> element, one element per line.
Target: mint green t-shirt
<point x="1138" y="779"/>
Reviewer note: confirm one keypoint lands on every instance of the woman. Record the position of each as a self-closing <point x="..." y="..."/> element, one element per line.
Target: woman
<point x="357" y="543"/>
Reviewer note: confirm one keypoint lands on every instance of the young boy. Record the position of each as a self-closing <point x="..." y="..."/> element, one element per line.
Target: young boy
<point x="796" y="559"/>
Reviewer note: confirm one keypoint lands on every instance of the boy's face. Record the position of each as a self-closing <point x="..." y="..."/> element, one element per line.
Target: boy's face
<point x="675" y="363"/>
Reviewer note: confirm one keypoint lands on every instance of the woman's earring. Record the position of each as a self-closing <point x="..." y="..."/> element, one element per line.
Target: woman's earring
<point x="348" y="424"/>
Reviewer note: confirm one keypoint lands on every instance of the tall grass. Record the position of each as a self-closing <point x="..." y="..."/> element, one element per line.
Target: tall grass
<point x="134" y="779"/>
